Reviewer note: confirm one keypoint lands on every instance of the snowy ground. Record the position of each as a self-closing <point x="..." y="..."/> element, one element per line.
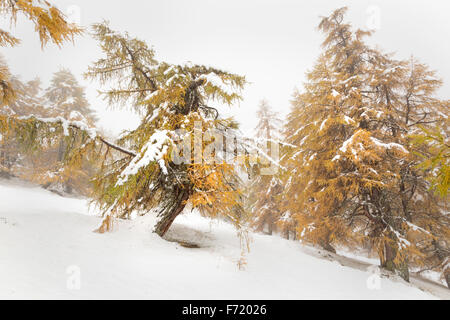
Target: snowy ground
<point x="48" y="251"/>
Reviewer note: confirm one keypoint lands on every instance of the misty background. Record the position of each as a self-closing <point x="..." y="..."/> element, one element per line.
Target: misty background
<point x="273" y="43"/>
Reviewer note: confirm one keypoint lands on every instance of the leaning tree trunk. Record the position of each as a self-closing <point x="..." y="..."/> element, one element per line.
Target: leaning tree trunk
<point x="443" y="257"/>
<point x="173" y="204"/>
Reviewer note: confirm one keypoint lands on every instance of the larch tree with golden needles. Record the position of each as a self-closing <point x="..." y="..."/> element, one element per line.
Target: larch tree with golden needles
<point x="51" y="26"/>
<point x="354" y="174"/>
<point x="45" y="165"/>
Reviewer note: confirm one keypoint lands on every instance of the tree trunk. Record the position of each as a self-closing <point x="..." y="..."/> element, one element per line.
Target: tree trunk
<point x="391" y="262"/>
<point x="173" y="206"/>
<point x="270" y="228"/>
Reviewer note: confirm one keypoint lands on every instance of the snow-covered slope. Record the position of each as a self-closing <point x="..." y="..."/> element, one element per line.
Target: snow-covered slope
<point x="47" y="245"/>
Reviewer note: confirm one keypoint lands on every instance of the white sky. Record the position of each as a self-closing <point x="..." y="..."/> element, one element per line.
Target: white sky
<point x="273" y="43"/>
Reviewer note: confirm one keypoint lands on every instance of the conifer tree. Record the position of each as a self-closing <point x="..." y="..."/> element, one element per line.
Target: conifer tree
<point x="50" y="24"/>
<point x="64" y="98"/>
<point x="353" y="168"/>
<point x="436" y="157"/>
<point x="265" y="189"/>
<point x="169" y="98"/>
